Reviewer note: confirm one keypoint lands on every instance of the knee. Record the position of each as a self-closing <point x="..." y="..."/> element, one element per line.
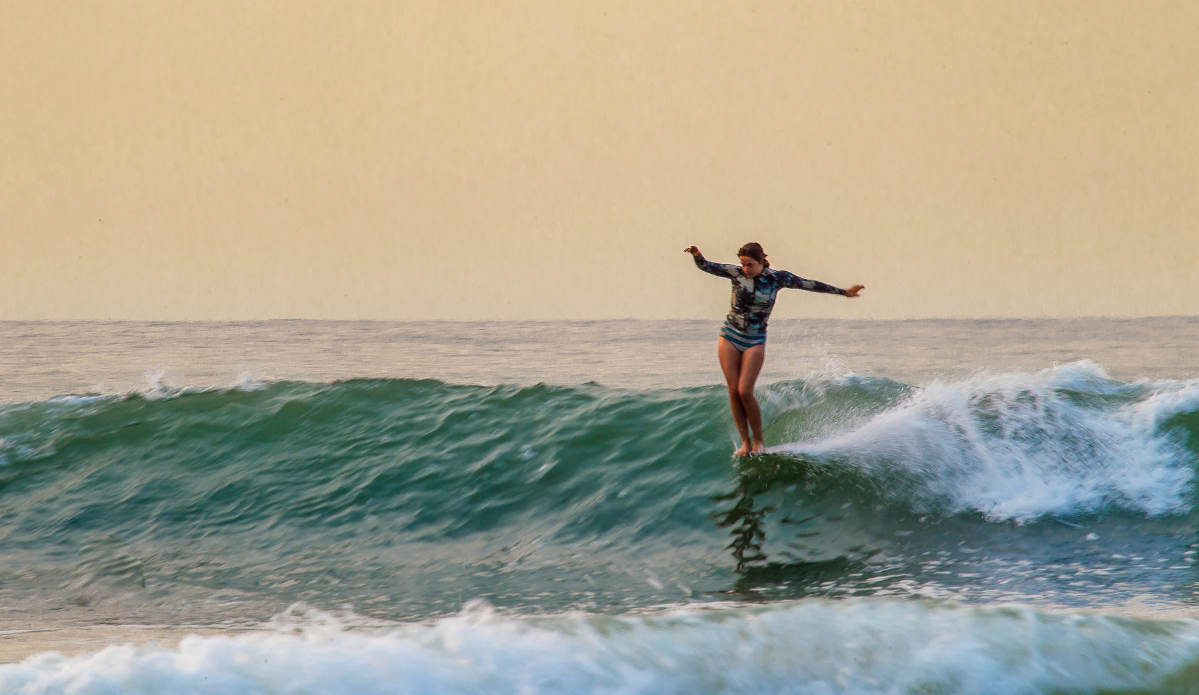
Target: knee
<point x="746" y="394"/>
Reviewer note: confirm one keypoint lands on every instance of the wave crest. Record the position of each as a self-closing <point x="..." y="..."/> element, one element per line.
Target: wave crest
<point x="1067" y="440"/>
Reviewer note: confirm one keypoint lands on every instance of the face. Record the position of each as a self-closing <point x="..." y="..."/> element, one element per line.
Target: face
<point x="750" y="267"/>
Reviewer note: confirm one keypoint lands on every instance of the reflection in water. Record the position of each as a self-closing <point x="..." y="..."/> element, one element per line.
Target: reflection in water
<point x="759" y="475"/>
<point x="758" y="578"/>
<point x="745" y="522"/>
<point x="775" y="580"/>
<point x="796" y="532"/>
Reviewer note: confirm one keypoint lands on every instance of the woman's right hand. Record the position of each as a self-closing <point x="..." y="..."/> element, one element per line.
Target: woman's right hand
<point x="692" y="250"/>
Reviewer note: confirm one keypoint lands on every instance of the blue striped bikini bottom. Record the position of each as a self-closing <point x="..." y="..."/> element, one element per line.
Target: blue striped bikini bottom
<point x="742" y="341"/>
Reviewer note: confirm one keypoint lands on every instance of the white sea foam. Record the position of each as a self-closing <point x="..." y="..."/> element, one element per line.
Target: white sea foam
<point x="161" y="385"/>
<point x="1018" y="446"/>
<point x="815" y="647"/>
<point x="1167" y="401"/>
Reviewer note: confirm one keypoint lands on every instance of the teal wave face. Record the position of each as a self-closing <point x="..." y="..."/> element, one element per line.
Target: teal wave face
<point x="440" y="460"/>
<point x="406" y="498"/>
<point x="299" y="491"/>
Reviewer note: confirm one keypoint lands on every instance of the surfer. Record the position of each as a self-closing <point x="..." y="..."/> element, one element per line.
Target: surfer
<point x="742" y="343"/>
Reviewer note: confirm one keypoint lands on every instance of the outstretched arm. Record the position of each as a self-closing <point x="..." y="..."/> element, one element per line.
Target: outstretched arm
<point x="795" y="282"/>
<point x="718" y="269"/>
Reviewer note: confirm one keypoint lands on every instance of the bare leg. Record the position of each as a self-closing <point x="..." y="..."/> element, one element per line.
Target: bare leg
<point x="751" y="365"/>
<point x="730" y="364"/>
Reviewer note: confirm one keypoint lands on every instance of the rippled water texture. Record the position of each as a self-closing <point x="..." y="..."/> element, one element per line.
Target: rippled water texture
<point x="922" y="479"/>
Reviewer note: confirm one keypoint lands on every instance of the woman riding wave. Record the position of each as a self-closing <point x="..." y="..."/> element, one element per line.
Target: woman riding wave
<point x="742" y="343"/>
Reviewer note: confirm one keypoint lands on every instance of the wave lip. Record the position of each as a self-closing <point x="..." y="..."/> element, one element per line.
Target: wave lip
<point x="855" y="646"/>
<point x="1067" y="440"/>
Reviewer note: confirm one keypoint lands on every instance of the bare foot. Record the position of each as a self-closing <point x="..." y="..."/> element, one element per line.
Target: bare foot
<point x="743" y="451"/>
<point x="758" y="449"/>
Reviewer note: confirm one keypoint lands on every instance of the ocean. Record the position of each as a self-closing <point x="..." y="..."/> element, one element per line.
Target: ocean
<point x="317" y="507"/>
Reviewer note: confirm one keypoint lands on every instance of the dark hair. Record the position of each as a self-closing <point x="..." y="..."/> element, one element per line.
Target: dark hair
<point x="754" y="250"/>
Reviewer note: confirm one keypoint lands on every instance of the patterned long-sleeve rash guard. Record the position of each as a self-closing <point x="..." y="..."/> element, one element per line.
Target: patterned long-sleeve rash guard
<point x="753" y="298"/>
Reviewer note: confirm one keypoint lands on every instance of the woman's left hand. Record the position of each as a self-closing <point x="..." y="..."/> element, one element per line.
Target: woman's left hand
<point x="854" y="291"/>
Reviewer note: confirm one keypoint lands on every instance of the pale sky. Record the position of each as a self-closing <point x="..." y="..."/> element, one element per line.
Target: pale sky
<point x="550" y="160"/>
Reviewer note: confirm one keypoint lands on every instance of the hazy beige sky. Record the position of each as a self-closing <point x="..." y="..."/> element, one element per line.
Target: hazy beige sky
<point x="473" y="160"/>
